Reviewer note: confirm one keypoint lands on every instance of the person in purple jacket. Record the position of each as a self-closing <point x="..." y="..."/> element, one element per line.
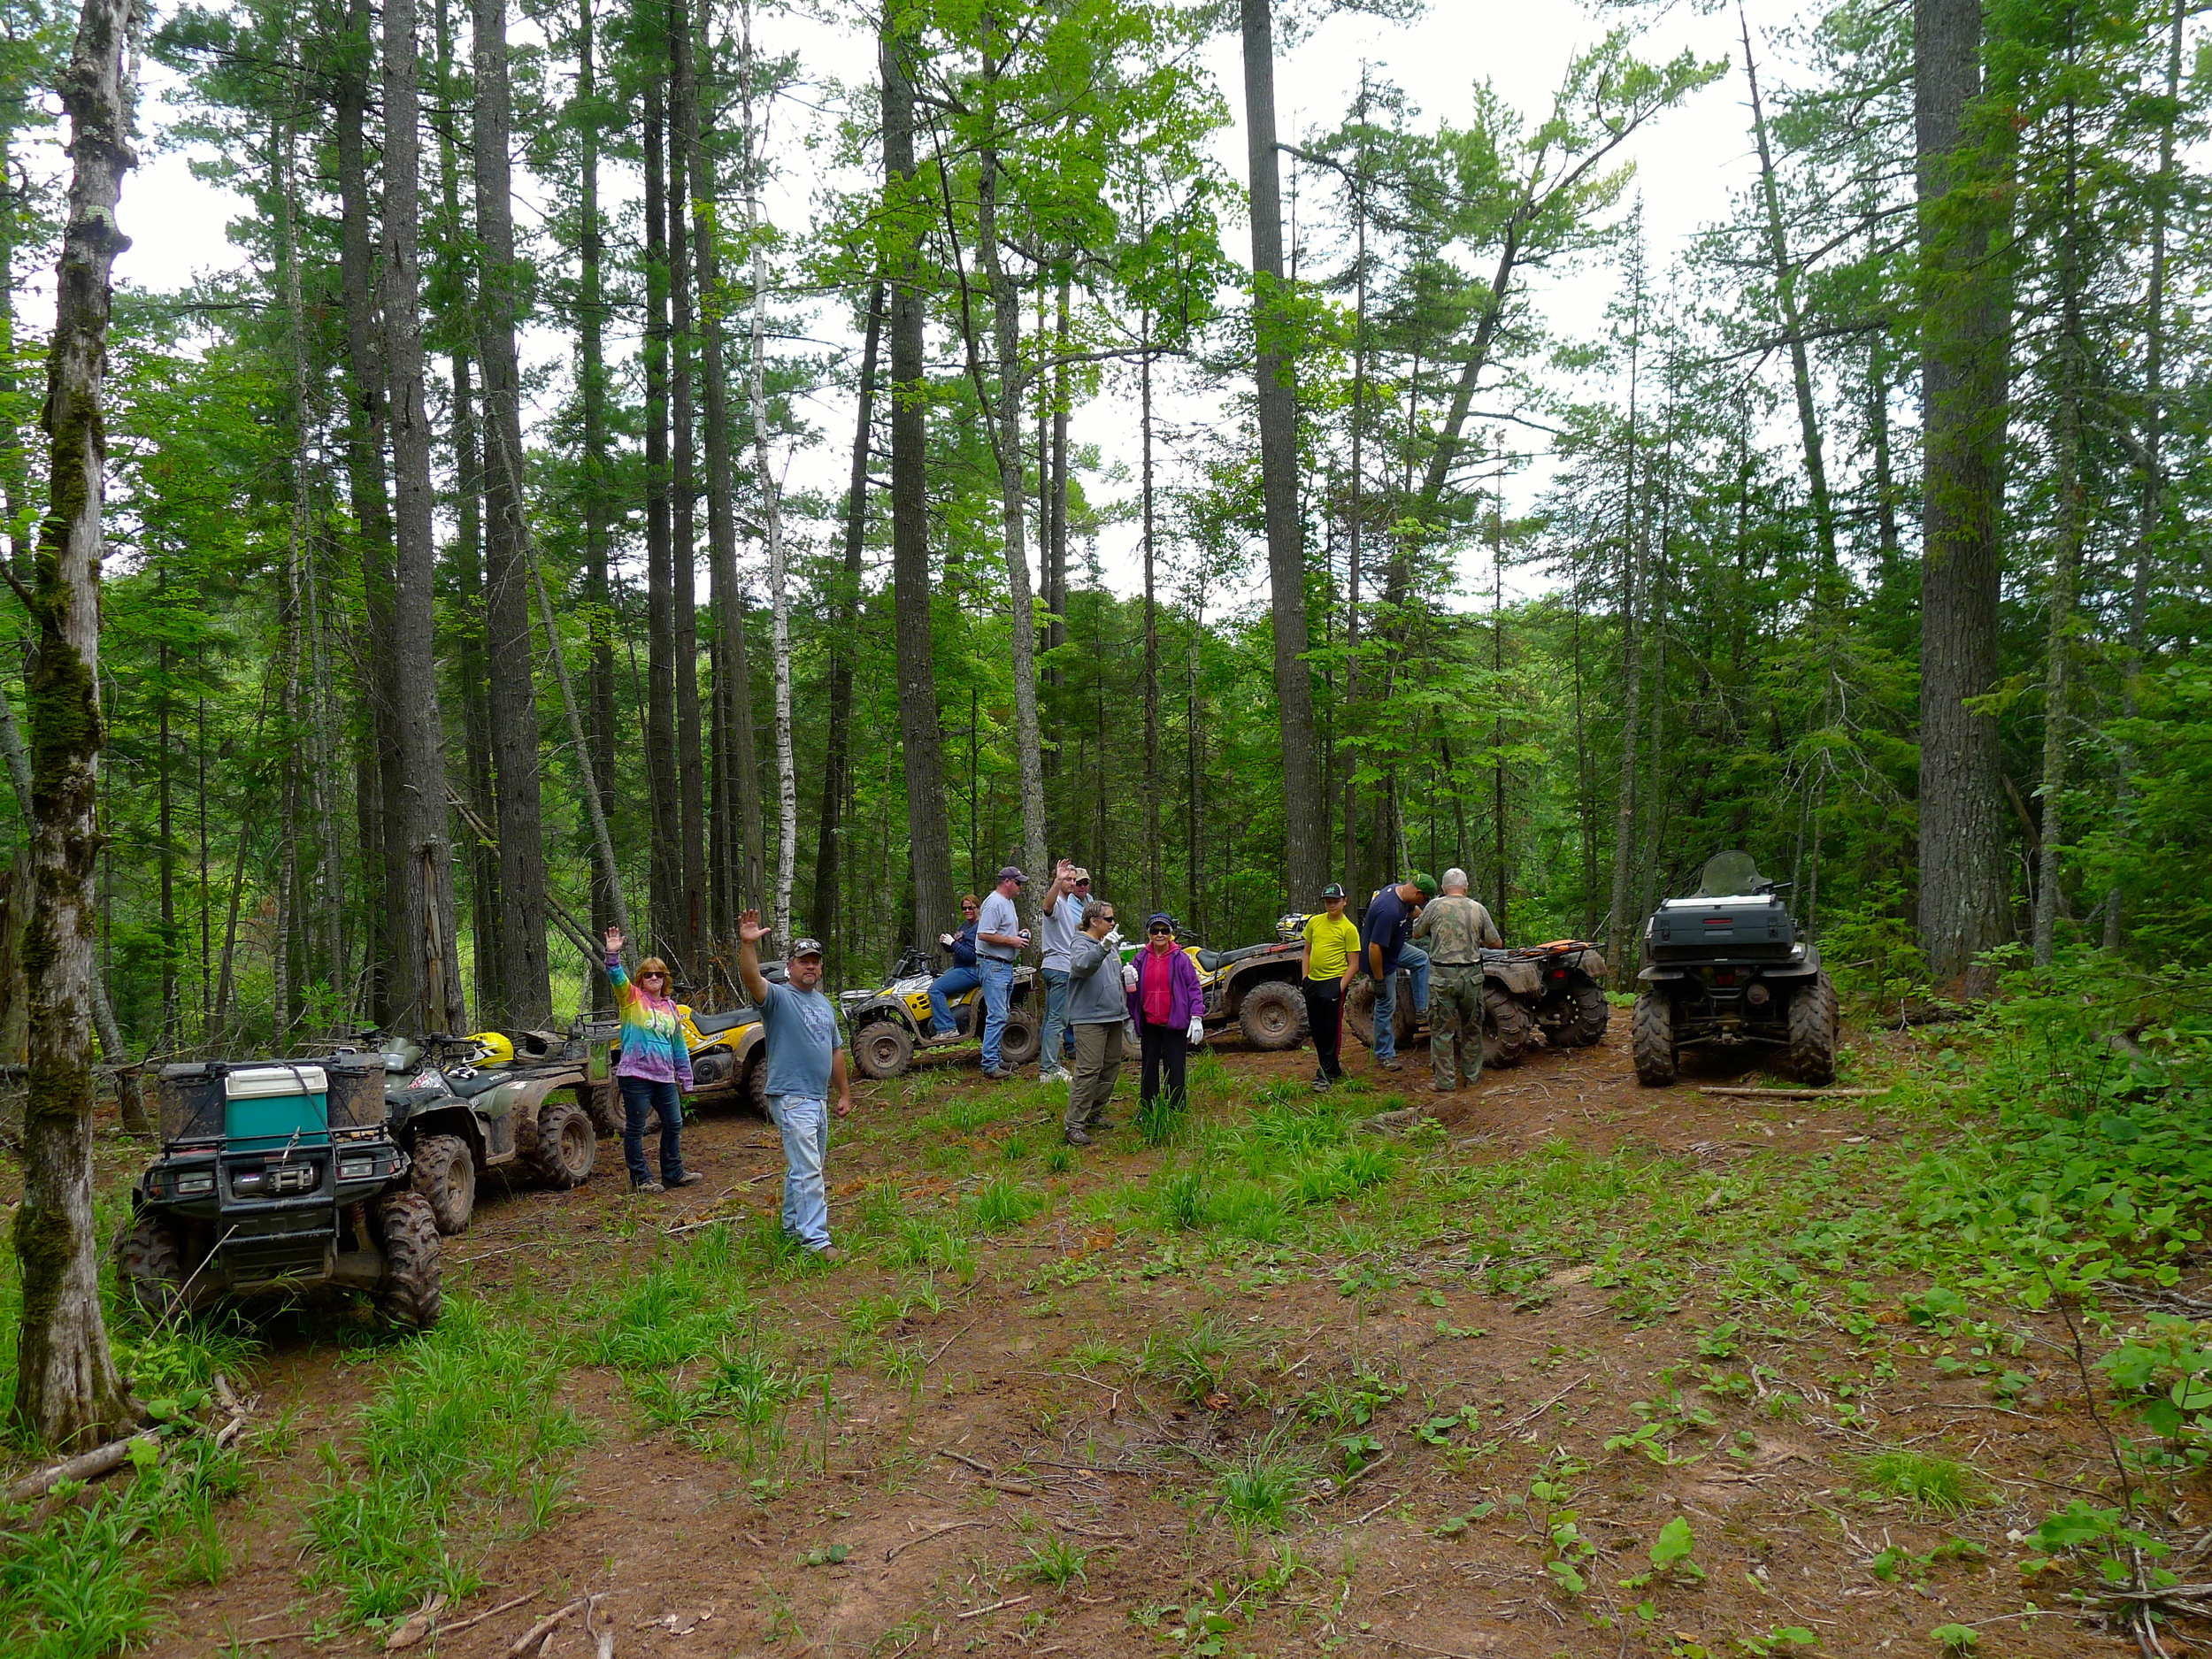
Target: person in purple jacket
<point x="1167" y="1008"/>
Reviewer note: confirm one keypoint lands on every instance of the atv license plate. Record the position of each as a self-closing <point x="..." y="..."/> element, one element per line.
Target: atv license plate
<point x="426" y="1079"/>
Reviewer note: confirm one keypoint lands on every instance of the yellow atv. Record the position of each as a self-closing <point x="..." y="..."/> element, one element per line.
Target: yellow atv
<point x="728" y="1051"/>
<point x="886" y="1024"/>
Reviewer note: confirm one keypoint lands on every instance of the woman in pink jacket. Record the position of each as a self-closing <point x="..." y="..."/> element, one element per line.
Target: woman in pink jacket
<point x="1166" y="1006"/>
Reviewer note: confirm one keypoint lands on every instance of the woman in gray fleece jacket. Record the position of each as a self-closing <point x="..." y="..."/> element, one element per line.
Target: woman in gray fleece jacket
<point x="1098" y="1009"/>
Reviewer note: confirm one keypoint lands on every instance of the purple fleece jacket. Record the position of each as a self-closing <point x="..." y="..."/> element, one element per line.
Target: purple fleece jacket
<point x="1185" y="1001"/>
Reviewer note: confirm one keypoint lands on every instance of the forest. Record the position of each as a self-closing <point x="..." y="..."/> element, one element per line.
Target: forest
<point x="453" y="565"/>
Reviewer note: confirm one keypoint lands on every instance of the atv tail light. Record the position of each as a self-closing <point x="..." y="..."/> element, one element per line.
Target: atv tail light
<point x="356" y="1169"/>
<point x="195" y="1186"/>
<point x="1723" y="976"/>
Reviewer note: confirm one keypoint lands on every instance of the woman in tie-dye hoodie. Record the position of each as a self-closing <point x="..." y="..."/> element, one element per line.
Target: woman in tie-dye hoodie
<point x="654" y="1071"/>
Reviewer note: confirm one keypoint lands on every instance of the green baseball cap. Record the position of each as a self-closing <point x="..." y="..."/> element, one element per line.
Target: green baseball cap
<point x="1427" y="883"/>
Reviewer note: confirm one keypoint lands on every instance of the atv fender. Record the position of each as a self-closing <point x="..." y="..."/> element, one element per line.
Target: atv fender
<point x="1518" y="978"/>
<point x="1652" y="976"/>
<point x="891" y="1008"/>
<point x="456" y="1119"/>
<point x="1590" y="962"/>
<point x="1240" y="977"/>
<point x="1804" y="969"/>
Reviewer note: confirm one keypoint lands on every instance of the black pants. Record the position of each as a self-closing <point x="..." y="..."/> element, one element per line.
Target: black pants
<point x="1325" y="1019"/>
<point x="1165" y="1048"/>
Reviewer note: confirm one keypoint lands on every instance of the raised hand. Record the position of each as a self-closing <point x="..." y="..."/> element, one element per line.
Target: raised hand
<point x="614" y="939"/>
<point x="749" y="928"/>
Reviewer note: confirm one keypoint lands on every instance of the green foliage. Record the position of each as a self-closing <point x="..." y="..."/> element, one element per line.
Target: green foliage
<point x="1935" y="1483"/>
<point x="1058" y="1563"/>
<point x="1258" y="1492"/>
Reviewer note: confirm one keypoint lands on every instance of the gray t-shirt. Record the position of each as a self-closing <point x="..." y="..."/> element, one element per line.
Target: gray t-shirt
<point x="998" y="916"/>
<point x="1057" y="929"/>
<point x="803" y="1034"/>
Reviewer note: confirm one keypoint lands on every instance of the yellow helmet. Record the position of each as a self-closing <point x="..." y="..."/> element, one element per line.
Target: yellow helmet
<point x="498" y="1049"/>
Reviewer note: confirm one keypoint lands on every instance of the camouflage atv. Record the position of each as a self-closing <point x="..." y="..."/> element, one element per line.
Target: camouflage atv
<point x="1728" y="967"/>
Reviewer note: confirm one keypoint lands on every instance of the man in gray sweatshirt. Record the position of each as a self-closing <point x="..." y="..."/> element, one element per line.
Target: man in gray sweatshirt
<point x="1098" y="1009"/>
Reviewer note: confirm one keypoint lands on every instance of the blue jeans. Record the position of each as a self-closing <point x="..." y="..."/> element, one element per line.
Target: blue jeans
<point x="805" y="1126"/>
<point x="1415" y="962"/>
<point x="641" y="1097"/>
<point x="1055" y="1020"/>
<point x="998" y="996"/>
<point x="942" y="989"/>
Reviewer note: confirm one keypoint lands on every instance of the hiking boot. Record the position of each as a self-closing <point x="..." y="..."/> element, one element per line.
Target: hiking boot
<point x="830" y="1253"/>
<point x="692" y="1179"/>
<point x="998" y="1076"/>
<point x="1443" y="1088"/>
<point x="1394" y="1063"/>
<point x="646" y="1186"/>
<point x="1078" y="1138"/>
<point x="937" y="1039"/>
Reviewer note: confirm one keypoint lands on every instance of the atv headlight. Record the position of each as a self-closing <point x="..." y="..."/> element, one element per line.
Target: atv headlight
<point x="356" y="1169"/>
<point x="195" y="1186"/>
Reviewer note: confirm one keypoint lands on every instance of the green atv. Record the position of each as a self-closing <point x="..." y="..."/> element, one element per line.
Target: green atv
<point x="279" y="1175"/>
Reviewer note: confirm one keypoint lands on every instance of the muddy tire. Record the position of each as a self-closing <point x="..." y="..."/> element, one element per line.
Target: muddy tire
<point x="564" y="1150"/>
<point x="1359" y="1011"/>
<point x="755" y="1087"/>
<point x="1590" y="1014"/>
<point x="1651" y="1040"/>
<point x="1272" y="1016"/>
<point x="412" y="1294"/>
<point x="149" y="1256"/>
<point x="881" y="1048"/>
<point x="1024" y="1038"/>
<point x="603" y="1103"/>
<point x="1506" y="1028"/>
<point x="1813" y="1021"/>
<point x="445" y="1177"/>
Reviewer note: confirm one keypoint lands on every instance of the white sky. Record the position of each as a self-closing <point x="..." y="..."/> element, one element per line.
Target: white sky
<point x="1689" y="162"/>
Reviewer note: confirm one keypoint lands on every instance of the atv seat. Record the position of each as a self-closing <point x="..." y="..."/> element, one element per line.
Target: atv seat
<point x="1210" y="960"/>
<point x="482" y="1083"/>
<point x="1249" y="950"/>
<point x="709" y="1024"/>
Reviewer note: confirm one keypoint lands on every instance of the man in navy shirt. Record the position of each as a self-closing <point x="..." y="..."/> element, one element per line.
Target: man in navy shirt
<point x="962" y="976"/>
<point x="1383" y="945"/>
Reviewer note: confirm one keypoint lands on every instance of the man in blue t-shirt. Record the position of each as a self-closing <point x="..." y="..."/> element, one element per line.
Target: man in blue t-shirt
<point x="1000" y="938"/>
<point x="1384" y="948"/>
<point x="805" y="1058"/>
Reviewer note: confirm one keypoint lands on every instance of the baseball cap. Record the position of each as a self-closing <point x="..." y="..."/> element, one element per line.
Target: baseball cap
<point x="1158" y="917"/>
<point x="1427" y="883"/>
<point x="1012" y="872"/>
<point x="802" y="948"/>
<point x="1334" y="890"/>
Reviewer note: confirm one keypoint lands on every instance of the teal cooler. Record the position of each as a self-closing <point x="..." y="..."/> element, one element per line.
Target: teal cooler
<point x="280" y="1211"/>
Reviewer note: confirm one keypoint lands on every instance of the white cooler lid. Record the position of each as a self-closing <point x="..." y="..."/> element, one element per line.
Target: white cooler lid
<point x="260" y="1082"/>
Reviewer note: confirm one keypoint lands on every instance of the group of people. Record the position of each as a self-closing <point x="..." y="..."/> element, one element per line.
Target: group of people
<point x="1091" y="998"/>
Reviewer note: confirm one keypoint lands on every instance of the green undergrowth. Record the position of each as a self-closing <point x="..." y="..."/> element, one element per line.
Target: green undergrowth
<point x="464" y="1445"/>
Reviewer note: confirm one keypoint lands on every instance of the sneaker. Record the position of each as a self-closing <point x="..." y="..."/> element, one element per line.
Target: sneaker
<point x="646" y="1186"/>
<point x="1055" y="1076"/>
<point x="691" y="1179"/>
<point x="998" y="1076"/>
<point x="1320" y="1082"/>
<point x="1078" y="1138"/>
<point x="1394" y="1063"/>
<point x="1443" y="1088"/>
<point x="830" y="1253"/>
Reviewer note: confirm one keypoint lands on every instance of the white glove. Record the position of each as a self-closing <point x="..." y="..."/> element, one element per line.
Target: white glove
<point x="1113" y="938"/>
<point x="1197" y="1033"/>
<point x="1128" y="976"/>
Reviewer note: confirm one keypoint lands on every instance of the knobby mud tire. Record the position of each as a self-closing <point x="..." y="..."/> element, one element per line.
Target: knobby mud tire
<point x="444" y="1177"/>
<point x="603" y="1103"/>
<point x="564" y="1148"/>
<point x="149" y="1256"/>
<point x="1272" y="1016"/>
<point x="1506" y="1027"/>
<point x="1592" y="1015"/>
<point x="1651" y="1040"/>
<point x="881" y="1048"/>
<point x="1024" y="1038"/>
<point x="1813" y="1027"/>
<point x="412" y="1294"/>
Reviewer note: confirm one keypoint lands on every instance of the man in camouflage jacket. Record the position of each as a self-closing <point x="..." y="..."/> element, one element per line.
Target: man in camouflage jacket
<point x="1456" y="928"/>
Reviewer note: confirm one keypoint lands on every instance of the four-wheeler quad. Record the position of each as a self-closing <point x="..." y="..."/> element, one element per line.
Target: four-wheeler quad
<point x="279" y="1175"/>
<point x="1255" y="987"/>
<point x="457" y="1116"/>
<point x="1728" y="967"/>
<point x="886" y="1024"/>
<point x="1512" y="987"/>
<point x="1570" y="1008"/>
<point x="729" y="1057"/>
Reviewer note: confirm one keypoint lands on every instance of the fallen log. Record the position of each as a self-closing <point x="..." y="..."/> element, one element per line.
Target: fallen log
<point x="84" y="1466"/>
<point x="1798" y="1094"/>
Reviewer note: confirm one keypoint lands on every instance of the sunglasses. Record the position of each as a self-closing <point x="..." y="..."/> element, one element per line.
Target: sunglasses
<point x="1158" y="933"/>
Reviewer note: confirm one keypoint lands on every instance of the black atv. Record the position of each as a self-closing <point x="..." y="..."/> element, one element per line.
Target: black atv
<point x="1729" y="967"/>
<point x="279" y="1175"/>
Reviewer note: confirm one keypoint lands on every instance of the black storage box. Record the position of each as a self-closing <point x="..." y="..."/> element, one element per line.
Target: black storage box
<point x="1753" y="929"/>
<point x="192" y="1100"/>
<point x="357" y="1090"/>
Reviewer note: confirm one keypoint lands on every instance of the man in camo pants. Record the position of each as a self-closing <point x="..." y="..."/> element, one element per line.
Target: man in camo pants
<point x="1456" y="928"/>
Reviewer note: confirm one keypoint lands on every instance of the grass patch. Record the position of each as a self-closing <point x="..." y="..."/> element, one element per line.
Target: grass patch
<point x="1934" y="1483"/>
<point x="1259" y="1492"/>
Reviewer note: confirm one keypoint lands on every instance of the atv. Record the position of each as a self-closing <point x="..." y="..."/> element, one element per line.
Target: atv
<point x="1571" y="1008"/>
<point x="890" y="1022"/>
<point x="458" y="1110"/>
<point x="1512" y="988"/>
<point x="729" y="1058"/>
<point x="1253" y="987"/>
<point x="1729" y="967"/>
<point x="279" y="1175"/>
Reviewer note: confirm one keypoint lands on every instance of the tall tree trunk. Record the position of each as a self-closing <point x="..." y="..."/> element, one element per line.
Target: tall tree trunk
<point x="67" y="1393"/>
<point x="1620" y="929"/>
<point x="390" y="980"/>
<point x="661" y="763"/>
<point x="1964" y="897"/>
<point x="426" y="906"/>
<point x="1154" y="884"/>
<point x="837" y="742"/>
<point x="929" y="835"/>
<point x="591" y="323"/>
<point x="689" y="826"/>
<point x="1305" y="809"/>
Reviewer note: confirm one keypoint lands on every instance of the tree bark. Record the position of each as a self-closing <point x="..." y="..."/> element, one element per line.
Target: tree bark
<point x="929" y="835"/>
<point x="1620" y="929"/>
<point x="683" y="499"/>
<point x="524" y="969"/>
<point x="838" y="743"/>
<point x="1305" y="810"/>
<point x="1964" y="896"/>
<point x="68" y="1393"/>
<point x="591" y="323"/>
<point x="667" y="905"/>
<point x="391" y="949"/>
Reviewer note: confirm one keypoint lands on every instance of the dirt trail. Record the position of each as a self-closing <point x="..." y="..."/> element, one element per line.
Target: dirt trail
<point x="696" y="1562"/>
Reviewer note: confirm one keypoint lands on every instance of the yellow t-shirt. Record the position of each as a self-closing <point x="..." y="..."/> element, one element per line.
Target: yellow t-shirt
<point x="1331" y="941"/>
